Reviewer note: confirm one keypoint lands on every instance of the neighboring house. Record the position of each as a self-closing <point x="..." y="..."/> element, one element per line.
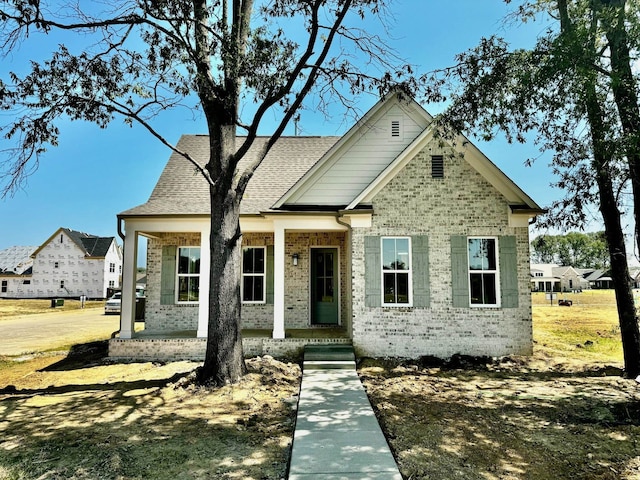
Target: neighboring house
<point x="69" y="264"/>
<point x="386" y="237"/>
<point x="599" y="279"/>
<point x="550" y="277"/>
<point x="15" y="269"/>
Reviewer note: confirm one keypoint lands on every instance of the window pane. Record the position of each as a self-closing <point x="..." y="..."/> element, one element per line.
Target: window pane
<point x="489" y="290"/>
<point x="247" y="289"/>
<point x="475" y="285"/>
<point x="482" y="254"/>
<point x="329" y="265"/>
<point x="389" y="288"/>
<point x="258" y="258"/>
<point x="490" y="247"/>
<point x="189" y="260"/>
<point x="402" y="282"/>
<point x="402" y="254"/>
<point x="388" y="253"/>
<point x="247" y="260"/>
<point x="194" y="264"/>
<point x="194" y="289"/>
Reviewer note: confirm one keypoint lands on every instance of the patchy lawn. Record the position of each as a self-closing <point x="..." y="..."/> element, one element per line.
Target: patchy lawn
<point x="82" y="418"/>
<point x="564" y="413"/>
<point x="11" y="307"/>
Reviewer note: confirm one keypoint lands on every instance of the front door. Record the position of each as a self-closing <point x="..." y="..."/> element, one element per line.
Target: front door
<point x="324" y="286"/>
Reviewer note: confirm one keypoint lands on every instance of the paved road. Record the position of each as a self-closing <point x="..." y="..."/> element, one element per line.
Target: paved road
<point x="45" y="331"/>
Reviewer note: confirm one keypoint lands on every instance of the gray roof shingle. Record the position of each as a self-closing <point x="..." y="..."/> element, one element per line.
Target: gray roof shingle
<point x="182" y="191"/>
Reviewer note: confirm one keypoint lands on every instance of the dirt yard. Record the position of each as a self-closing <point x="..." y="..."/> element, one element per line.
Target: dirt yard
<point x="564" y="413"/>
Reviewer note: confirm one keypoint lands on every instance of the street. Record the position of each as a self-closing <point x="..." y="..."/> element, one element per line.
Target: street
<point x="46" y="331"/>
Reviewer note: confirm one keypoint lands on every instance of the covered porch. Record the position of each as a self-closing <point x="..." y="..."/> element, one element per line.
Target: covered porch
<point x="290" y="314"/>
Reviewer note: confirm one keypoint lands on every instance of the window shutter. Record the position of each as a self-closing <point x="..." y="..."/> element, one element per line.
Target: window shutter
<point x="372" y="273"/>
<point x="168" y="275"/>
<point x="420" y="270"/>
<point x="508" y="272"/>
<point x="269" y="279"/>
<point x="459" y="271"/>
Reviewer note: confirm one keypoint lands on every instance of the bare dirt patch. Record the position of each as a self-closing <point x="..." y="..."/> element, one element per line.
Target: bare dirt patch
<point x="83" y="418"/>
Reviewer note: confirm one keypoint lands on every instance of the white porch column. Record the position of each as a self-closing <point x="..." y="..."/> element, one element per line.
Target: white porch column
<point x="278" y="280"/>
<point x="129" y="268"/>
<point x="205" y="269"/>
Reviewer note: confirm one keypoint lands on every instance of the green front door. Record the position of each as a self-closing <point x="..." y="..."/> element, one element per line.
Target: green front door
<point x="324" y="286"/>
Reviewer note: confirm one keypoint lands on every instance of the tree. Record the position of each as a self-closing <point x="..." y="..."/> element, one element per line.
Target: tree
<point x="142" y="57"/>
<point x="576" y="249"/>
<point x="559" y="90"/>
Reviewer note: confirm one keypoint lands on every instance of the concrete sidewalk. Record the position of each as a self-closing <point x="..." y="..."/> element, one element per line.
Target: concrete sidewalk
<point x="337" y="434"/>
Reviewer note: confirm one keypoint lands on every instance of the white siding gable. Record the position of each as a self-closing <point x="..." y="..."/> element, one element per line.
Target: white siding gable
<point x="370" y="148"/>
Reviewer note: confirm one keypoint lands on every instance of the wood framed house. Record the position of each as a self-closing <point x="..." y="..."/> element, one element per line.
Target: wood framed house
<point x="386" y="238"/>
<point x="67" y="265"/>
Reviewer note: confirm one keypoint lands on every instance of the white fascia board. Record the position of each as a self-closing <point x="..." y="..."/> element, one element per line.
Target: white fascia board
<point x="358" y="220"/>
<point x="306" y="223"/>
<point x="393" y="169"/>
<point x="519" y="219"/>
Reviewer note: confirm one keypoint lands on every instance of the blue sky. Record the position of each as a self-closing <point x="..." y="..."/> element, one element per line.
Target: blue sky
<point x="94" y="174"/>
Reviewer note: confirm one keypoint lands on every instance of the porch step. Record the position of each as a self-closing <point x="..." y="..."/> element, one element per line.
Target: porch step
<point x="329" y="356"/>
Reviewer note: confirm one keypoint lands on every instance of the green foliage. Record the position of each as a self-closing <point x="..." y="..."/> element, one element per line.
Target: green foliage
<point x="575" y="249"/>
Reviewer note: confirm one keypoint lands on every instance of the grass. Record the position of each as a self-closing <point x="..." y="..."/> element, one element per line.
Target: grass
<point x="10" y="307"/>
<point x="564" y="413"/>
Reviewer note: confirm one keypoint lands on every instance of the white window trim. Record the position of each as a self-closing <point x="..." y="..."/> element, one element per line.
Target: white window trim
<point x="178" y="275"/>
<point x="263" y="275"/>
<point x="496" y="271"/>
<point x="409" y="272"/>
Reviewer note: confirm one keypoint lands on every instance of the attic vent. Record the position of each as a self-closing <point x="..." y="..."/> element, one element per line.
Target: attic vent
<point x="437" y="166"/>
<point x="395" y="128"/>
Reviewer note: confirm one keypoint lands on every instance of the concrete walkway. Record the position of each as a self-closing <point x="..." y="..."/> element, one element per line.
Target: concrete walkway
<point x="337" y="435"/>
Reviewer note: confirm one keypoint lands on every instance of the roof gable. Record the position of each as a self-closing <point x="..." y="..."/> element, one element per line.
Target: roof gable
<point x="360" y="155"/>
<point x="90" y="245"/>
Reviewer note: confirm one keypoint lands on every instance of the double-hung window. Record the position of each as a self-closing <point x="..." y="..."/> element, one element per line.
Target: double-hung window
<point x="483" y="271"/>
<point x="253" y="274"/>
<point x="396" y="271"/>
<point x="188" y="274"/>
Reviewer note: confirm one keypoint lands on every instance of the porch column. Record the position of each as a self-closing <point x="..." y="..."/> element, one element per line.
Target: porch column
<point x="205" y="268"/>
<point x="278" y="280"/>
<point x="129" y="268"/>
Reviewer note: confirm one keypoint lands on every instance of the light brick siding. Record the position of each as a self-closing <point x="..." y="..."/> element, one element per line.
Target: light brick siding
<point x="463" y="203"/>
<point x="171" y="318"/>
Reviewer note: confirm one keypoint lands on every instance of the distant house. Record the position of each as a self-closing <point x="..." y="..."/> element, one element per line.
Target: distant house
<point x="550" y="277"/>
<point x="387" y="238"/>
<point x="67" y="265"/>
<point x="599" y="279"/>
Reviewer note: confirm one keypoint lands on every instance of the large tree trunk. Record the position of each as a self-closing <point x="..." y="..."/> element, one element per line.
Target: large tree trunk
<point x="224" y="361"/>
<point x="624" y="92"/>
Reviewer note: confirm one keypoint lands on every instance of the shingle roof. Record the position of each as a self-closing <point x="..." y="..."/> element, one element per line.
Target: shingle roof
<point x="181" y="190"/>
<point x="16" y="260"/>
<point x="93" y="245"/>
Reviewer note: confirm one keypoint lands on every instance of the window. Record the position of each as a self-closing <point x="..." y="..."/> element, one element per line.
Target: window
<point x="61" y="283"/>
<point x="253" y="274"/>
<point x="4" y="286"/>
<point x="188" y="274"/>
<point x="56" y="264"/>
<point x="112" y="283"/>
<point x="483" y="271"/>
<point x="396" y="271"/>
<point x="26" y="282"/>
<point x="437" y="166"/>
<point x="61" y="238"/>
<point x="112" y="268"/>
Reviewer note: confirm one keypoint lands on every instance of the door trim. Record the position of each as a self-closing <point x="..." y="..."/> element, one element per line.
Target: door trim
<point x="338" y="286"/>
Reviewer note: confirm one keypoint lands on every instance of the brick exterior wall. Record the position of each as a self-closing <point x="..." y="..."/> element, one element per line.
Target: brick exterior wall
<point x="463" y="203"/>
<point x="172" y="318"/>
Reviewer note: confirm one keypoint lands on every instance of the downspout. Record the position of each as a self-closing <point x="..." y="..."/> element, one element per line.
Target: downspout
<point x="350" y="276"/>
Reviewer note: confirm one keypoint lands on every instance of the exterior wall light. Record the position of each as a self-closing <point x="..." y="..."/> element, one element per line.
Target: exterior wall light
<point x="295" y="258"/>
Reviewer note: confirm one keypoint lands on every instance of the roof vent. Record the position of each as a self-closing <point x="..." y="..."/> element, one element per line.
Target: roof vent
<point x="437" y="166"/>
<point x="395" y="132"/>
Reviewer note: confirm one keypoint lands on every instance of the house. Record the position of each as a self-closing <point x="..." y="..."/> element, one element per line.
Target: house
<point x="550" y="277"/>
<point x="67" y="265"/>
<point x="600" y="279"/>
<point x="386" y="237"/>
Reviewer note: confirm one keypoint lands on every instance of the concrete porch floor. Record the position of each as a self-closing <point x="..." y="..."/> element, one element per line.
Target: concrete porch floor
<point x="327" y="333"/>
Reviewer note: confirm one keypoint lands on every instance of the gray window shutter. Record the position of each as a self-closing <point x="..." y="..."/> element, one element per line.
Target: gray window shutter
<point x="420" y="270"/>
<point x="508" y="272"/>
<point x="168" y="275"/>
<point x="372" y="272"/>
<point x="459" y="271"/>
<point x="269" y="279"/>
